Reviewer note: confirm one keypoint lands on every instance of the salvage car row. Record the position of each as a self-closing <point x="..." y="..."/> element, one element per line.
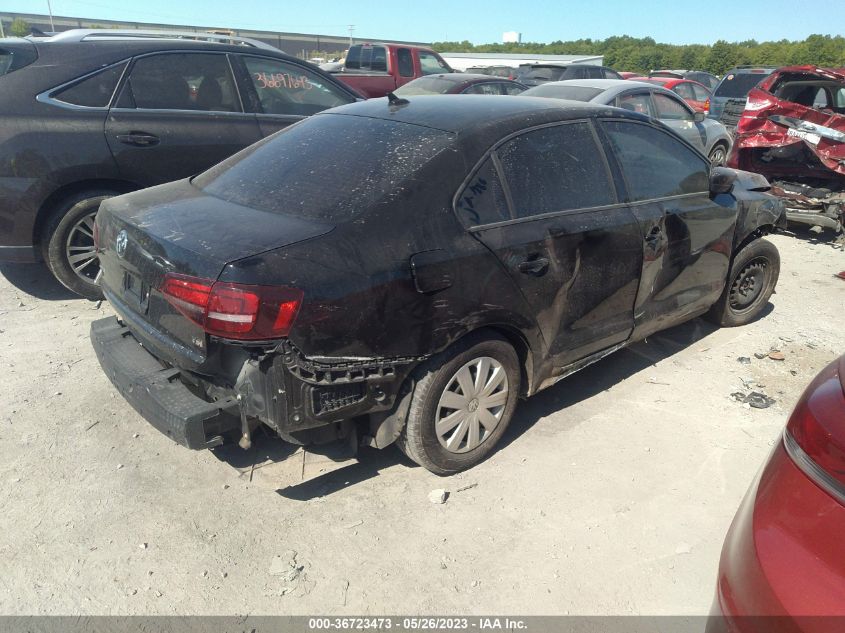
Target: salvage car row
<point x="397" y="270"/>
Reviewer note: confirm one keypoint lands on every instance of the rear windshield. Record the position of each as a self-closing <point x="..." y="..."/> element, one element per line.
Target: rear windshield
<point x="426" y="86"/>
<point x="576" y="93"/>
<point x="15" y="55"/>
<point x="328" y="167"/>
<point x="544" y="73"/>
<point x="739" y="84"/>
<point x="367" y="58"/>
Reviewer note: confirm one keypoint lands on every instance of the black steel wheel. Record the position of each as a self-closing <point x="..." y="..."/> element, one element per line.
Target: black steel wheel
<point x="751" y="282"/>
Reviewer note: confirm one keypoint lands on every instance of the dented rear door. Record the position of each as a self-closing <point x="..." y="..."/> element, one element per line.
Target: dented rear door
<point x="571" y="247"/>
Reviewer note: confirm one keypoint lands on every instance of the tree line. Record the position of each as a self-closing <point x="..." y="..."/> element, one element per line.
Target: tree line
<point x="642" y="54"/>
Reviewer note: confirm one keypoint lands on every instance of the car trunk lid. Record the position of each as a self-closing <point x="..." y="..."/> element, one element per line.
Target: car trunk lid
<point x="142" y="239"/>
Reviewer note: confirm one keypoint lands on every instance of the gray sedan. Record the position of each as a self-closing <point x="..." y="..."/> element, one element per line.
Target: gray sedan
<point x="709" y="136"/>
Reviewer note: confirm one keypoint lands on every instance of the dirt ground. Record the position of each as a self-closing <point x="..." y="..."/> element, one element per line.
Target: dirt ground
<point x="611" y="492"/>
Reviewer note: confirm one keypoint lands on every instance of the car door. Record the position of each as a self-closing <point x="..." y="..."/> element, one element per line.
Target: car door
<point x="282" y="92"/>
<point x="687" y="237"/>
<point x="545" y="205"/>
<point x="176" y="115"/>
<point x="671" y="110"/>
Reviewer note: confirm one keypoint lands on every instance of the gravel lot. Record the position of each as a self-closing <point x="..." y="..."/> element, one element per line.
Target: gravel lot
<point x="611" y="493"/>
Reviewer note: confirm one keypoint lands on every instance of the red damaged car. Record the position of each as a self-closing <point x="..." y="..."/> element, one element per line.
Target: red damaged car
<point x="783" y="562"/>
<point x="793" y="132"/>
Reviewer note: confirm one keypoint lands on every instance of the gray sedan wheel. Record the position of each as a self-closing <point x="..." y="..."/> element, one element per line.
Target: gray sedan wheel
<point x="718" y="155"/>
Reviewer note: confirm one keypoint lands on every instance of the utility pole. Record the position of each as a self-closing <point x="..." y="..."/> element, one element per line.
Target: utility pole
<point x="50" y="11"/>
<point x="351" y="30"/>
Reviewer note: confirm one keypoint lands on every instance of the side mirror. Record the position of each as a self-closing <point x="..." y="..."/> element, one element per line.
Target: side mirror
<point x="699" y="117"/>
<point x="722" y="180"/>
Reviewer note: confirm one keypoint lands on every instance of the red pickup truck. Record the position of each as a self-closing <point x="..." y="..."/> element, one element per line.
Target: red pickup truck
<point x="376" y="69"/>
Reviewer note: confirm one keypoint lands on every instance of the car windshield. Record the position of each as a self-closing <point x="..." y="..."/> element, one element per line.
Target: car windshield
<point x="328" y="167"/>
<point x="576" y="93"/>
<point x="544" y="73"/>
<point x="739" y="84"/>
<point x="425" y="86"/>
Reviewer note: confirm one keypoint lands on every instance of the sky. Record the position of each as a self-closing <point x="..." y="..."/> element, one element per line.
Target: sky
<point x="480" y="22"/>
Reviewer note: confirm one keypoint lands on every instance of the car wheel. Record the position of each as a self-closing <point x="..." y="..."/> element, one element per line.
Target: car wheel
<point x="718" y="155"/>
<point x="462" y="403"/>
<point x="68" y="243"/>
<point x="751" y="282"/>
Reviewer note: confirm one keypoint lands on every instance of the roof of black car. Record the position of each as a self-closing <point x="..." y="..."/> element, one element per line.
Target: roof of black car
<point x="461" y="113"/>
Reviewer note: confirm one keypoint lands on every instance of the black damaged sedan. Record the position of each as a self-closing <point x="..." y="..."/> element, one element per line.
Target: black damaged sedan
<point x="394" y="271"/>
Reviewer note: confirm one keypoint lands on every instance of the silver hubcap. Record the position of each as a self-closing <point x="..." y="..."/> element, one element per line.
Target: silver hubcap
<point x="472" y="405"/>
<point x="80" y="251"/>
<point x="717" y="157"/>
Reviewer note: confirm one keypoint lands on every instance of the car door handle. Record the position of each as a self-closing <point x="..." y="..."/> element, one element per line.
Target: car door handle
<point x="536" y="267"/>
<point x="138" y="139"/>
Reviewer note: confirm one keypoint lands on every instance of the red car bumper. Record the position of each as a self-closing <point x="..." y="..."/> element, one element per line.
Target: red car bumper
<point x="783" y="561"/>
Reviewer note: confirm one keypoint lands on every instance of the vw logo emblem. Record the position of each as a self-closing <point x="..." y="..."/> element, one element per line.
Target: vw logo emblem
<point x="120" y="243"/>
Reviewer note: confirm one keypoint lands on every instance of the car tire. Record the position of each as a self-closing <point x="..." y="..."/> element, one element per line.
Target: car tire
<point x="485" y="364"/>
<point x="751" y="282"/>
<point x="718" y="155"/>
<point x="68" y="234"/>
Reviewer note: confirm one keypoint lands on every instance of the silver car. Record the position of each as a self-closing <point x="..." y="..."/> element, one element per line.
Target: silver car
<point x="709" y="136"/>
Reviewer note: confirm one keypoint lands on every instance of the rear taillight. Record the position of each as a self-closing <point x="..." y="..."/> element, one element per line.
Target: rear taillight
<point x="815" y="434"/>
<point x="237" y="311"/>
<point x="707" y="106"/>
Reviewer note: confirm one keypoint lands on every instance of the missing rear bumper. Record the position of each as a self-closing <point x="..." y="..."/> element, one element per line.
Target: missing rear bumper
<point x="157" y="393"/>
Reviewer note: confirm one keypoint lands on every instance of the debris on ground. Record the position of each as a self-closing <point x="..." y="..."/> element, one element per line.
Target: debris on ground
<point x="777" y="355"/>
<point x="467" y="487"/>
<point x="292" y="574"/>
<point x="744" y="360"/>
<point x="760" y="355"/>
<point x="755" y="399"/>
<point x="438" y="496"/>
<point x="840" y="275"/>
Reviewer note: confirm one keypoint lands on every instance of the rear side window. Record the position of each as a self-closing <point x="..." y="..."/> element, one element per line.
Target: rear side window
<point x="94" y="91"/>
<point x="305" y="170"/>
<point x="483" y="200"/>
<point x="183" y="81"/>
<point x="15" y="56"/>
<point x="285" y="88"/>
<point x="556" y="168"/>
<point x="655" y="163"/>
